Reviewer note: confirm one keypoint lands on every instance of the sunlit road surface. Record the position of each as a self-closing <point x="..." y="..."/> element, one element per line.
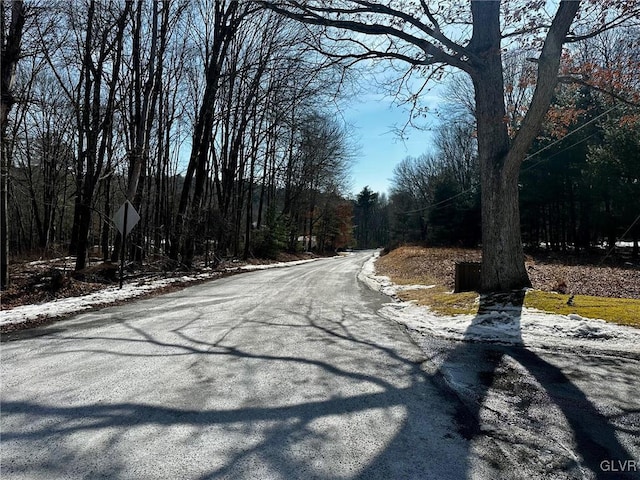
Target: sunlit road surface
<point x="301" y="372"/>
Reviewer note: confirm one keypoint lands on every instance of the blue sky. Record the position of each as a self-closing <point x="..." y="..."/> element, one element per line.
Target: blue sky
<point x="372" y="119"/>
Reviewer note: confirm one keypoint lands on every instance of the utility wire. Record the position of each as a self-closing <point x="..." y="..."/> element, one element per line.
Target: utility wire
<point x="613" y="247"/>
<point x="531" y="167"/>
<point x="571" y="133"/>
<point x="442" y="203"/>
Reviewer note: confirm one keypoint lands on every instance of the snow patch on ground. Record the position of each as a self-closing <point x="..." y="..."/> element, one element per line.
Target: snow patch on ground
<point x="505" y="324"/>
<point x="275" y="265"/>
<point x="53" y="260"/>
<point x="64" y="306"/>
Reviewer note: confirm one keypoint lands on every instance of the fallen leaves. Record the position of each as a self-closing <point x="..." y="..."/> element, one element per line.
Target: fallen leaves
<point x="565" y="273"/>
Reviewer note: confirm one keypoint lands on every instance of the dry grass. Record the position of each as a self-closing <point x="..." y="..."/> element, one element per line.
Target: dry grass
<point x="611" y="293"/>
<point x="417" y="265"/>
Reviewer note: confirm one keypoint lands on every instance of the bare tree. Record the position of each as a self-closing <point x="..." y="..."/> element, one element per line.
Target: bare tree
<point x="83" y="44"/>
<point x="457" y="148"/>
<point x="43" y="153"/>
<point x="227" y="16"/>
<point x="146" y="65"/>
<point x="429" y="35"/>
<point x="131" y="82"/>
<point x="10" y="40"/>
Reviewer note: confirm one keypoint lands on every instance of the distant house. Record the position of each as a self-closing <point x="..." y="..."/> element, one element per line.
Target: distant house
<point x="303" y="241"/>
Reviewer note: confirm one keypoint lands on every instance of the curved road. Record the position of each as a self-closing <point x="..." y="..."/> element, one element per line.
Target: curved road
<point x="288" y="373"/>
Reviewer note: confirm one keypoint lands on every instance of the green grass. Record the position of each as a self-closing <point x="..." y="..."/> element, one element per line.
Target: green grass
<point x="625" y="311"/>
<point x="440" y="301"/>
<point x="421" y="266"/>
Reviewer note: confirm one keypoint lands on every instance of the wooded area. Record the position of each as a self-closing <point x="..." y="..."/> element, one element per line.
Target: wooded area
<point x="580" y="184"/>
<point x="432" y="39"/>
<point x="214" y="118"/>
<point x="217" y="120"/>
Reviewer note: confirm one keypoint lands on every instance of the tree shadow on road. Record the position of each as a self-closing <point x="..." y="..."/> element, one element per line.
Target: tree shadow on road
<point x="320" y="437"/>
<point x="595" y="441"/>
<point x="418" y="403"/>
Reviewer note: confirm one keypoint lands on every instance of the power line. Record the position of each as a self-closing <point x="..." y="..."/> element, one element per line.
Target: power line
<point x="571" y="133"/>
<point x="621" y="236"/>
<point x="531" y="167"/>
<point x="442" y="203"/>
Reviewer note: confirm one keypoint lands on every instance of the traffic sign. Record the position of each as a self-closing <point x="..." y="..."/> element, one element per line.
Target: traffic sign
<point x="132" y="218"/>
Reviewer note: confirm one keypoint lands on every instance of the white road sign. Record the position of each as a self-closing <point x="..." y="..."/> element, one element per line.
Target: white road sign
<point x="132" y="218"/>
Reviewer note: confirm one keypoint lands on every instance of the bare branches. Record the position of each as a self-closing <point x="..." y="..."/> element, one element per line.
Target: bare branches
<point x="604" y="24"/>
<point x="430" y="16"/>
<point x="548" y="65"/>
<point x="331" y="16"/>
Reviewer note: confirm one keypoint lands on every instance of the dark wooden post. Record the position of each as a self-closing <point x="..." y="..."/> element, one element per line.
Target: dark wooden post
<point x="467" y="277"/>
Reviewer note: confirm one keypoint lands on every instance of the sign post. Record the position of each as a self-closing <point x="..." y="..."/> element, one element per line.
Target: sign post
<point x="125" y="219"/>
<point x="124" y="239"/>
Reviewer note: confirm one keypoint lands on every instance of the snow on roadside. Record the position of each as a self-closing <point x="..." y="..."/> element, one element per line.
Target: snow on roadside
<point x="506" y="325"/>
<point x="65" y="306"/>
<point x="53" y="260"/>
<point x="275" y="265"/>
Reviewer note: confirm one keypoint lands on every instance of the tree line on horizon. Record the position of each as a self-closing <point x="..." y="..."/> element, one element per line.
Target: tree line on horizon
<point x="579" y="187"/>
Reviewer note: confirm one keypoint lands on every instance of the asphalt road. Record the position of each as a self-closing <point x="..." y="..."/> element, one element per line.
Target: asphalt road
<point x="301" y="373"/>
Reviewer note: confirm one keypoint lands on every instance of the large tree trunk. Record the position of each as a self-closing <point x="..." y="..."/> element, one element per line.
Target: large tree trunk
<point x="500" y="158"/>
<point x="502" y="254"/>
<point x="11" y="42"/>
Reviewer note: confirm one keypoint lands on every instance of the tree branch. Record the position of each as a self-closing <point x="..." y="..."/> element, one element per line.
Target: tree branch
<point x="434" y="33"/>
<point x="430" y="15"/>
<point x="547" y="79"/>
<point x="434" y="54"/>
<point x="619" y="20"/>
<point x="568" y="79"/>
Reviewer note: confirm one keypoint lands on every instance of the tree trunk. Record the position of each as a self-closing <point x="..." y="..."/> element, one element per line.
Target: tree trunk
<point x="10" y="56"/>
<point x="84" y="225"/>
<point x="4" y="222"/>
<point x="502" y="253"/>
<point x="104" y="238"/>
<point x="500" y="158"/>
